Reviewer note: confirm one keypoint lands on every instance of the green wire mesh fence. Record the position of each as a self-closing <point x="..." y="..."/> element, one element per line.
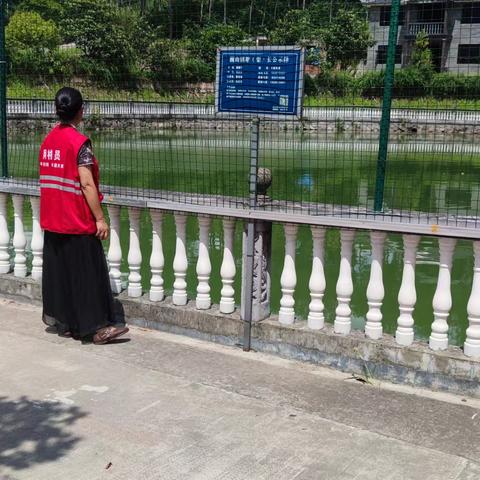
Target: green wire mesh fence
<point x="399" y="146"/>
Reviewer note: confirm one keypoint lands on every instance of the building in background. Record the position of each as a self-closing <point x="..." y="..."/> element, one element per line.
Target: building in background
<point x="453" y="27"/>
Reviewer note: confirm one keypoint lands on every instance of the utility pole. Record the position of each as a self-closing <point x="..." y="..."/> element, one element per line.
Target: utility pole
<point x="3" y="90"/>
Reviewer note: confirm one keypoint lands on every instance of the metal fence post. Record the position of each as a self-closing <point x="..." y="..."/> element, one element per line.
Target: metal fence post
<point x="3" y="92"/>
<point x="249" y="265"/>
<point x="386" y="106"/>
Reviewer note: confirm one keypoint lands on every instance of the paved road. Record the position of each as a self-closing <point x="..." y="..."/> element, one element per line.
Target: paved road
<point x="167" y="407"/>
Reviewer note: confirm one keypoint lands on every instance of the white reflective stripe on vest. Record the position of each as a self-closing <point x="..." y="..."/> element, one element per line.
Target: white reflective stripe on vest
<point x="63" y="188"/>
<point x="60" y="179"/>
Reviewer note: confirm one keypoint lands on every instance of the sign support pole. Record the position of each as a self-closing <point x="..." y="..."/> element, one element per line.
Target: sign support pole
<point x="3" y="92"/>
<point x="248" y="294"/>
<point x="386" y="107"/>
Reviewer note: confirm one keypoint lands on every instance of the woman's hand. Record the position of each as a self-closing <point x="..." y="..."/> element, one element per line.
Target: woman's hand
<point x="102" y="229"/>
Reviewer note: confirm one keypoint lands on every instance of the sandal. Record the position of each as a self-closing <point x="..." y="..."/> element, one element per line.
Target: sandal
<point x="107" y="334"/>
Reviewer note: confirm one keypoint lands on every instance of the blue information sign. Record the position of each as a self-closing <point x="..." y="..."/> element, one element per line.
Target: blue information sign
<point x="262" y="81"/>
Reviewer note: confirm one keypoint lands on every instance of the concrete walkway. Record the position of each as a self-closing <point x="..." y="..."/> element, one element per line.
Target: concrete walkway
<point x="168" y="407"/>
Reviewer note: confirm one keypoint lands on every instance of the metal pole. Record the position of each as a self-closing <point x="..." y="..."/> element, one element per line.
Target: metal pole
<point x="386" y="106"/>
<point x="3" y="92"/>
<point x="249" y="264"/>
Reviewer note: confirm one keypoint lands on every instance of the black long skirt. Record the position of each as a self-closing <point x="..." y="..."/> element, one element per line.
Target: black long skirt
<point x="77" y="297"/>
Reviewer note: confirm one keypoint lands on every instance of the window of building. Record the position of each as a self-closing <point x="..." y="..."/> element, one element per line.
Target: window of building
<point x="471" y="12"/>
<point x="382" y="54"/>
<point x="385" y="16"/>
<point x="430" y="12"/>
<point x="468" y="54"/>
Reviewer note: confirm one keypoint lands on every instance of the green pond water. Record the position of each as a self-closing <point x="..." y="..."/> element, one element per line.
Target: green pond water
<point x="305" y="168"/>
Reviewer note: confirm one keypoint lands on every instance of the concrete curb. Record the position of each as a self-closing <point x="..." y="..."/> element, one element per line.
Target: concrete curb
<point x="415" y="365"/>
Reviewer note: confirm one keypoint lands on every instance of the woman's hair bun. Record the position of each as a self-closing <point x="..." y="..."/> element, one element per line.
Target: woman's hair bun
<point x="68" y="102"/>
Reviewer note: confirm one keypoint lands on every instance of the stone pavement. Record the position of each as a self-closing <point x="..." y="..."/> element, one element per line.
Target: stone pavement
<point x="162" y="406"/>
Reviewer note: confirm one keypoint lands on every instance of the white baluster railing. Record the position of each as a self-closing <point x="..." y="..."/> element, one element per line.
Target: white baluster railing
<point x="134" y="254"/>
<point x="317" y="283"/>
<point x="228" y="269"/>
<point x="115" y="249"/>
<point x="4" y="236"/>
<point x="157" y="260"/>
<point x="407" y="296"/>
<point x="375" y="290"/>
<point x="37" y="240"/>
<point x="442" y="300"/>
<point x="343" y="312"/>
<point x="180" y="262"/>
<point x="19" y="239"/>
<point x="204" y="266"/>
<point x="288" y="280"/>
<point x="471" y="346"/>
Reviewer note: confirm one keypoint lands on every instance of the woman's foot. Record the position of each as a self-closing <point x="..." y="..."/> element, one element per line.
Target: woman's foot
<point x="107" y="334"/>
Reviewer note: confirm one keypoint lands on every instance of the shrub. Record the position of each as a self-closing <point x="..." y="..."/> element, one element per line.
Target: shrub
<point x="338" y="84"/>
<point x="30" y="30"/>
<point x="447" y="85"/>
<point x="370" y="84"/>
<point x="68" y="63"/>
<point x="422" y="55"/>
<point x="30" y="41"/>
<point x="410" y="82"/>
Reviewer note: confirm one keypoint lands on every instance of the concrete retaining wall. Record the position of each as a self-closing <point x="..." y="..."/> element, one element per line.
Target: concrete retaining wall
<point x="415" y="365"/>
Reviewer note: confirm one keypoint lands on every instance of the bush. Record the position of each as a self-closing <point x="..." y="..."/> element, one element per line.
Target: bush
<point x="68" y="63"/>
<point x="370" y="84"/>
<point x="30" y="42"/>
<point x="30" y="30"/>
<point x="328" y="82"/>
<point x="446" y="85"/>
<point x="410" y="82"/>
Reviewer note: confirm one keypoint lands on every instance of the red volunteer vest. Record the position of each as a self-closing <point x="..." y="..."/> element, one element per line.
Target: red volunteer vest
<point x="63" y="208"/>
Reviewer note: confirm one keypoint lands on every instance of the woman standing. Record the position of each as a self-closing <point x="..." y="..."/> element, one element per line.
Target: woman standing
<point x="77" y="298"/>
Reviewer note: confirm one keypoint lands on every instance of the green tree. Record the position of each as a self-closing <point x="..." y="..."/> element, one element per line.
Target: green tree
<point x="295" y="28"/>
<point x="108" y="39"/>
<point x="205" y="41"/>
<point x="47" y="9"/>
<point x="171" y="63"/>
<point x="30" y="30"/>
<point x="31" y="42"/>
<point x="347" y="39"/>
<point x="421" y="58"/>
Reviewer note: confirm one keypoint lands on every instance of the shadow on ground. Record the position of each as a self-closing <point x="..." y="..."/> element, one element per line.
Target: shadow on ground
<point x="33" y="432"/>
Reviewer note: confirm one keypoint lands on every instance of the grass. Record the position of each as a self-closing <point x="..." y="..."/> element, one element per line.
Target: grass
<point x="18" y="89"/>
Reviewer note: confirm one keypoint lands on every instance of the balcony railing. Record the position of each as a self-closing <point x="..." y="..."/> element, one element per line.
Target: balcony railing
<point x="345" y="286"/>
<point x="431" y="28"/>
